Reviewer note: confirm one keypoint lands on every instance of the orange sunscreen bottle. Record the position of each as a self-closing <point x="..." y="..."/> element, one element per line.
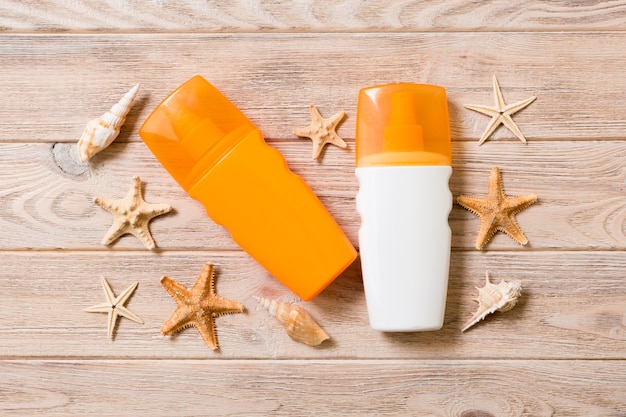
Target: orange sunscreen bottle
<point x="403" y="166"/>
<point x="220" y="158"/>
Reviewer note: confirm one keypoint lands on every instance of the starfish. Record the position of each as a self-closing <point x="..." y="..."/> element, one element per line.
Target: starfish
<point x="198" y="307"/>
<point x="501" y="113"/>
<point x="114" y="306"/>
<point x="322" y="131"/>
<point x="497" y="211"/>
<point x="131" y="215"/>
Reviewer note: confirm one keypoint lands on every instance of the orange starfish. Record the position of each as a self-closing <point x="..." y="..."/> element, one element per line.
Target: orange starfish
<point x="497" y="211"/>
<point x="322" y="131"/>
<point x="198" y="307"/>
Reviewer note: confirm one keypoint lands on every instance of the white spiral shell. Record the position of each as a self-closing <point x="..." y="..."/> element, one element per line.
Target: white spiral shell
<point x="100" y="132"/>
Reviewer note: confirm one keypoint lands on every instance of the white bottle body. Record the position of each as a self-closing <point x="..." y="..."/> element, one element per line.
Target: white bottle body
<point x="404" y="244"/>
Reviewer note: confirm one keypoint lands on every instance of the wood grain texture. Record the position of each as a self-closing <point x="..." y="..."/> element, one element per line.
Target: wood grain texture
<point x="54" y="84"/>
<point x="577" y="303"/>
<point x="310" y="15"/>
<point x="46" y="200"/>
<point x="288" y="388"/>
<point x="559" y="352"/>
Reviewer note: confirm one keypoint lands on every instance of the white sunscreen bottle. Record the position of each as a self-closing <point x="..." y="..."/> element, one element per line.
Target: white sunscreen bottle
<point x="403" y="164"/>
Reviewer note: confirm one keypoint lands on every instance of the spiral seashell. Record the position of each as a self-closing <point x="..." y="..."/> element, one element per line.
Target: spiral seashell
<point x="298" y="324"/>
<point x="100" y="132"/>
<point x="492" y="298"/>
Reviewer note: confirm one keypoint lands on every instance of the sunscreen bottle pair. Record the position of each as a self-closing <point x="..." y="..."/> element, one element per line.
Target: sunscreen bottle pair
<point x="403" y="163"/>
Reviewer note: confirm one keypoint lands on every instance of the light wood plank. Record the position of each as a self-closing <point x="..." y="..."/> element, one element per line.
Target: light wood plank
<point x="296" y="388"/>
<point x="574" y="301"/>
<point x="580" y="186"/>
<point x="325" y="15"/>
<point x="53" y="85"/>
<point x="559" y="352"/>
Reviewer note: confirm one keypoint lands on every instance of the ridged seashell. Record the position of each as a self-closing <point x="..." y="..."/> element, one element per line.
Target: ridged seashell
<point x="100" y="132"/>
<point x="492" y="298"/>
<point x="298" y="324"/>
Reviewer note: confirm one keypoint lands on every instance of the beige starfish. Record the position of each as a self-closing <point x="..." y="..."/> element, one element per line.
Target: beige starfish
<point x="322" y="131"/>
<point x="115" y="306"/>
<point x="501" y="113"/>
<point x="198" y="307"/>
<point x="131" y="215"/>
<point x="497" y="211"/>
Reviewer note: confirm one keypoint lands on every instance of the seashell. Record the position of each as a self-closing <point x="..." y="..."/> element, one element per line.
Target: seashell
<point x="100" y="132"/>
<point x="298" y="324"/>
<point x="492" y="298"/>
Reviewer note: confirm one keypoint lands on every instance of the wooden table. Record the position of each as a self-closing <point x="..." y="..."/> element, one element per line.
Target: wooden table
<point x="560" y="352"/>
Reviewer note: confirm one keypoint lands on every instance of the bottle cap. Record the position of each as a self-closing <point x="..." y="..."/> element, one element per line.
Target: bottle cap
<point x="196" y="122"/>
<point x="402" y="124"/>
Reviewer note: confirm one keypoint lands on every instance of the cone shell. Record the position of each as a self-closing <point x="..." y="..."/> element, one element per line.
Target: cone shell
<point x="298" y="324"/>
<point x="492" y="298"/>
<point x="100" y="132"/>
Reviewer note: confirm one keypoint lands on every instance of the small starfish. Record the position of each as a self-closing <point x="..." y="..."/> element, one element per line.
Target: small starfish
<point x="198" y="307"/>
<point x="115" y="306"/>
<point x="501" y="113"/>
<point x="131" y="215"/>
<point x="322" y="131"/>
<point x="497" y="211"/>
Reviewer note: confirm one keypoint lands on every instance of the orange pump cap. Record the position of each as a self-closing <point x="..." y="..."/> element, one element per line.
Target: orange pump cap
<point x="403" y="124"/>
<point x="193" y="121"/>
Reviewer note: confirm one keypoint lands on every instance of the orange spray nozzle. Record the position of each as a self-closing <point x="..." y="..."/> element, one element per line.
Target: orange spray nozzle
<point x="403" y="133"/>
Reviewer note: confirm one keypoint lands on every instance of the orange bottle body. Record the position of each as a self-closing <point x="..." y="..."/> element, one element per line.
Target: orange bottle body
<point x="274" y="216"/>
<point x="246" y="186"/>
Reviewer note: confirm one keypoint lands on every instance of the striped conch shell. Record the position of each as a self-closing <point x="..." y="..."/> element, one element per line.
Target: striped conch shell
<point x="100" y="132"/>
<point x="492" y="298"/>
<point x="298" y="324"/>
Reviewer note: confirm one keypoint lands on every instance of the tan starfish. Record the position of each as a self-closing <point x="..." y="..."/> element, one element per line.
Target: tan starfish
<point x="501" y="113"/>
<point x="114" y="306"/>
<point x="497" y="211"/>
<point x="131" y="215"/>
<point x="198" y="307"/>
<point x="322" y="131"/>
